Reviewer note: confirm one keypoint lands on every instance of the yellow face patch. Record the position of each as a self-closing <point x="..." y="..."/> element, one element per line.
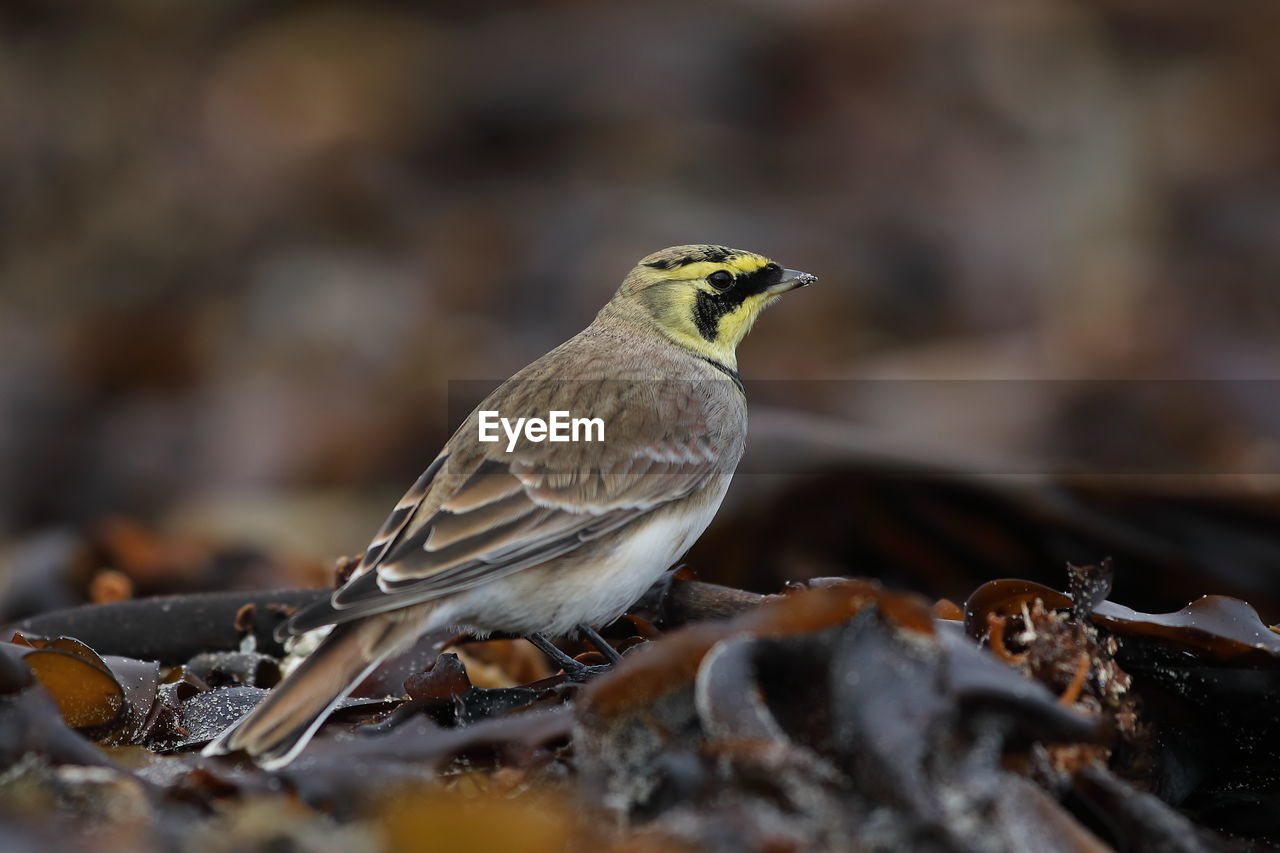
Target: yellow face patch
<point x="735" y="324"/>
<point x="704" y="297"/>
<point x="703" y="317"/>
<point x="701" y="269"/>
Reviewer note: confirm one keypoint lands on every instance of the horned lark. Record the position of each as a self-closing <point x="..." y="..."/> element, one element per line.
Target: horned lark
<point x="539" y="537"/>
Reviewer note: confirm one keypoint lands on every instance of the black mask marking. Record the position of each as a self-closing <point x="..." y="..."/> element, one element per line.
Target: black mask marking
<point x="708" y="308"/>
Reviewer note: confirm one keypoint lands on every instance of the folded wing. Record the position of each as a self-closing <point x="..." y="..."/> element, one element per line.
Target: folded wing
<point x="478" y="514"/>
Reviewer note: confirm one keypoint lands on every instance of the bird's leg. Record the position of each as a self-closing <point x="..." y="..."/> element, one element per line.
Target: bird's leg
<point x="600" y="643"/>
<point x="576" y="671"/>
<point x="549" y="649"/>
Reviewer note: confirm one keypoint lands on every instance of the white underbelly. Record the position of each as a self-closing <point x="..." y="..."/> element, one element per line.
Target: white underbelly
<point x="556" y="598"/>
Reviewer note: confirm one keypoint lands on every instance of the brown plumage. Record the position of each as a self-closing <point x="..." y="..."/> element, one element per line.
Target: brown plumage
<point x="550" y="536"/>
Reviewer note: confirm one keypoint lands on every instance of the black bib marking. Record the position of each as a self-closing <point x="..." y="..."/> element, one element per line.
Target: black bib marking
<point x="727" y="371"/>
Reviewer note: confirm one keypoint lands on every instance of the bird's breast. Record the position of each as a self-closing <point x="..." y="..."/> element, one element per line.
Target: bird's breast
<point x="592" y="585"/>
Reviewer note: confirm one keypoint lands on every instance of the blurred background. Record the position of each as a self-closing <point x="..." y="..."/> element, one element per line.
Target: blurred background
<point x="245" y="248"/>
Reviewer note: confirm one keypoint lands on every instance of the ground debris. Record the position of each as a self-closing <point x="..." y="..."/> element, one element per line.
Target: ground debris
<point x="837" y="717"/>
<point x="833" y="715"/>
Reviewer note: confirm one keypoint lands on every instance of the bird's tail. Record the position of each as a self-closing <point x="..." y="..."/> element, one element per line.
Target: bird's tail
<point x="275" y="731"/>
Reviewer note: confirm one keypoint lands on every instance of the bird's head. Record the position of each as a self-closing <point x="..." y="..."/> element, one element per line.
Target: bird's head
<point x="706" y="298"/>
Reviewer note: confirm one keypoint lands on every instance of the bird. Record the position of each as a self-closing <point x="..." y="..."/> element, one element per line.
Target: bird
<point x="539" y="538"/>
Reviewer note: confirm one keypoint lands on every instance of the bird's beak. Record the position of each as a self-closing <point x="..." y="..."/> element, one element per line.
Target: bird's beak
<point x="791" y="279"/>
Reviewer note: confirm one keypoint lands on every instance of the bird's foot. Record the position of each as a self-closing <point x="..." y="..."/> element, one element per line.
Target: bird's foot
<point x="582" y="673"/>
<point x="575" y="671"/>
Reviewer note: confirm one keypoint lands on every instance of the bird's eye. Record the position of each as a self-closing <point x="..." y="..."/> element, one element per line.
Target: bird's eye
<point x="720" y="280"/>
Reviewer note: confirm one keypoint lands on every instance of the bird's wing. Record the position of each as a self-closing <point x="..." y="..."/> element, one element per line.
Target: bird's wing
<point x="479" y="513"/>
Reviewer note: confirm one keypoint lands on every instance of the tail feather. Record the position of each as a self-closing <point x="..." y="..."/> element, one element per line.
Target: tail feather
<point x="278" y="728"/>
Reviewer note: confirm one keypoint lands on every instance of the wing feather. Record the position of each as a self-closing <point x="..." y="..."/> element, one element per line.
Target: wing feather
<point x="449" y="528"/>
<point x="400" y="517"/>
<point x="497" y="516"/>
<point x="491" y="482"/>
